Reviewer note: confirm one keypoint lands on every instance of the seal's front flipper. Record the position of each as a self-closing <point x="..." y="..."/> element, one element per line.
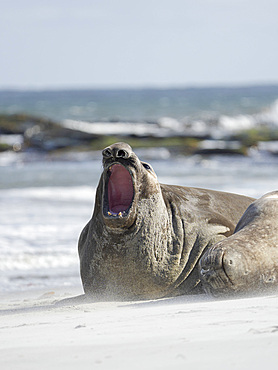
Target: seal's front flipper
<point x="247" y="261"/>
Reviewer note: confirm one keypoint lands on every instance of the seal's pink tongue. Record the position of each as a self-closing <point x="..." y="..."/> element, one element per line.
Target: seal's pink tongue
<point x="120" y="189"/>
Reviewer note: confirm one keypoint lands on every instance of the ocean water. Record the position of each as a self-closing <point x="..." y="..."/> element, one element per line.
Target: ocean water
<point x="183" y="104"/>
<point x="45" y="202"/>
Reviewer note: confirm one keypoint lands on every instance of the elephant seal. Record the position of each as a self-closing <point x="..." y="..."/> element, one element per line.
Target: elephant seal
<point x="247" y="261"/>
<point x="145" y="239"/>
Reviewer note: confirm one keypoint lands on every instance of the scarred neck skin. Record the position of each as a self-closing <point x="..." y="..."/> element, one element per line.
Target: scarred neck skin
<point x="138" y="253"/>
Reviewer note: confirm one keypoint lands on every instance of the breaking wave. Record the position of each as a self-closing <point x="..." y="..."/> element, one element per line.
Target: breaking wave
<point x="216" y="127"/>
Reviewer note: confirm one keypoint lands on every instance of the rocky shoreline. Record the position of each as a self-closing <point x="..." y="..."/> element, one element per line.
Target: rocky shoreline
<point x="26" y="133"/>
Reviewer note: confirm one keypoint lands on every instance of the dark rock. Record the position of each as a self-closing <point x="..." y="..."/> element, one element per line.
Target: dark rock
<point x="42" y="134"/>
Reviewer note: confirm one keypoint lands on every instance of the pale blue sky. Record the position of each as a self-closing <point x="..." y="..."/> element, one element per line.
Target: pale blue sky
<point x="103" y="43"/>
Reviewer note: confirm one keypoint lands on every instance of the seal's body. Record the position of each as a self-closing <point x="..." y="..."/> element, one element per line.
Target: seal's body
<point x="247" y="261"/>
<point x="145" y="239"/>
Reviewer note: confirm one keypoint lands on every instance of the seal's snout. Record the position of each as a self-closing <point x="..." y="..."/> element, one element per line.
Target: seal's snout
<point x="235" y="265"/>
<point x="116" y="151"/>
<point x="223" y="270"/>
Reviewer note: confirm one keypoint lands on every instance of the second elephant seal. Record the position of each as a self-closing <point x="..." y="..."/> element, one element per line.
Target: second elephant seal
<point x="247" y="261"/>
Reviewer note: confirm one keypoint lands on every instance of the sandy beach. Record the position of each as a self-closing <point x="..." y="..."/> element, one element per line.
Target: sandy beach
<point x="183" y="332"/>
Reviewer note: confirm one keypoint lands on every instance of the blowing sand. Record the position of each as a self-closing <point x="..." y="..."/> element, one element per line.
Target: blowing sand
<point x="188" y="332"/>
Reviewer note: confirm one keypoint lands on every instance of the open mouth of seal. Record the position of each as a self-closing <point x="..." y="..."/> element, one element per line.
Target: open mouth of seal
<point x="119" y="191"/>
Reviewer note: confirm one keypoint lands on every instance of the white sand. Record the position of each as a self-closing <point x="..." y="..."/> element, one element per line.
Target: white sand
<point x="178" y="333"/>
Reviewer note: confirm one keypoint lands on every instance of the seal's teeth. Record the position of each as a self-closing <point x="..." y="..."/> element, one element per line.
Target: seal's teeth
<point x="113" y="214"/>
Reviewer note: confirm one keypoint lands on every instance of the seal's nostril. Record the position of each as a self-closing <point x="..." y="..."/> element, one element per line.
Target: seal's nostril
<point x="122" y="154"/>
<point x="107" y="153"/>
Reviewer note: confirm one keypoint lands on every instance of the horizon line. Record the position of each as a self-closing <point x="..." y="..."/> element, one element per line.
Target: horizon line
<point x="139" y="87"/>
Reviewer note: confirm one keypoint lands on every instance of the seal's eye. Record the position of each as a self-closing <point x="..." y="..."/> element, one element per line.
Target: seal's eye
<point x="148" y="167"/>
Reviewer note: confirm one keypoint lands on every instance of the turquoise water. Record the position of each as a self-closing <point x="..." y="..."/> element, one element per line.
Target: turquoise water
<point x="140" y="104"/>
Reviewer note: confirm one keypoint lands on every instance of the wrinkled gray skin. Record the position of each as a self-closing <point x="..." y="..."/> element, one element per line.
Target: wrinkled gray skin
<point x="247" y="261"/>
<point x="153" y="251"/>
